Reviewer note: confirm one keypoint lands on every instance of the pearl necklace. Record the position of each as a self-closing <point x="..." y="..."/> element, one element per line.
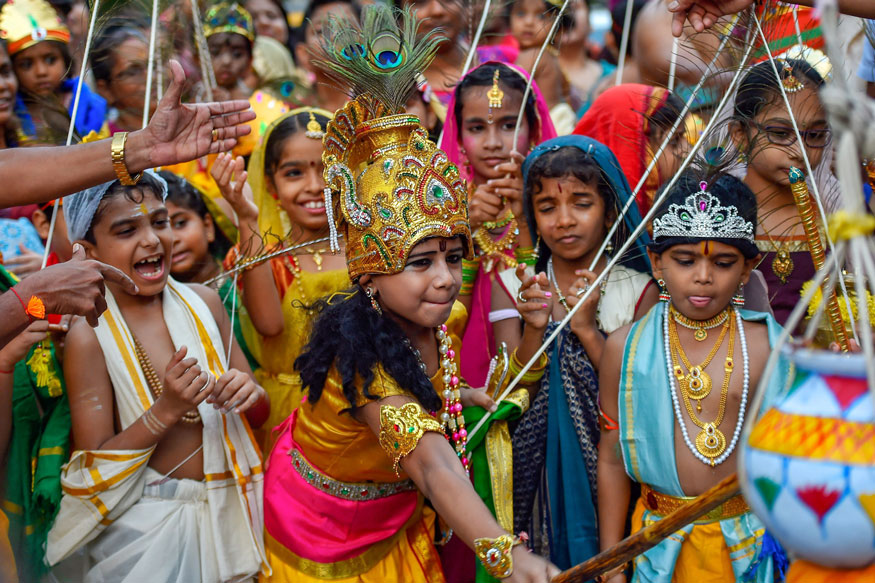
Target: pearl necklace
<point x="452" y="413"/>
<point x="676" y="404"/>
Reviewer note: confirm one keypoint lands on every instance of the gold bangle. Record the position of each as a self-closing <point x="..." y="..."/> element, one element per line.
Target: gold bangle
<point x="494" y="554"/>
<point x="117" y="154"/>
<point x="534" y="374"/>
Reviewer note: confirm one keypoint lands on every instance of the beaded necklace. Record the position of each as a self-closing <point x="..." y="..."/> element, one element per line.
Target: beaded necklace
<point x="451" y="416"/>
<point x="154" y="382"/>
<point x="709" y="439"/>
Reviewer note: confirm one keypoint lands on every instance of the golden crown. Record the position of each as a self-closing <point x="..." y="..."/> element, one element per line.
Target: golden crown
<point x="388" y="186"/>
<point x="394" y="188"/>
<point x="23" y="23"/>
<point x="229" y="17"/>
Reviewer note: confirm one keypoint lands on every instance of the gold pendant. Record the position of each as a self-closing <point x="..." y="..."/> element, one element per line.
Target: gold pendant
<point x="711" y="442"/>
<point x="700" y="334"/>
<point x="317" y="259"/>
<point x="782" y="264"/>
<point x="698" y="383"/>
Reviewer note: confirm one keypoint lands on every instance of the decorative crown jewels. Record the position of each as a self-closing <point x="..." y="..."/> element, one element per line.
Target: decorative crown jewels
<point x="386" y="183"/>
<point x="229" y="17"/>
<point x="703" y="217"/>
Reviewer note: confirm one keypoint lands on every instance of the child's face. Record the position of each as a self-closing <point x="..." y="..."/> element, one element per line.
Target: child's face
<point x="571" y="217"/>
<point x="425" y="291"/>
<point x="765" y="139"/>
<point x="136" y="238"/>
<point x="701" y="277"/>
<point x="61" y="245"/>
<point x="489" y="144"/>
<point x="8" y="87"/>
<point x="268" y="20"/>
<point x="192" y="236"/>
<point x="40" y="68"/>
<point x="126" y="87"/>
<point x="231" y="57"/>
<point x="579" y="31"/>
<point x="298" y="184"/>
<point x="529" y="23"/>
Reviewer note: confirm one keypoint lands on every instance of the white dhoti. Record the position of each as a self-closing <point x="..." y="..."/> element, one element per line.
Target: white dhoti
<point x="135" y="529"/>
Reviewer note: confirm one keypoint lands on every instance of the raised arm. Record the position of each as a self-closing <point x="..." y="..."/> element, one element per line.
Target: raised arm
<point x="703" y="14"/>
<point x="260" y="295"/>
<point x="436" y="470"/>
<point x="176" y="133"/>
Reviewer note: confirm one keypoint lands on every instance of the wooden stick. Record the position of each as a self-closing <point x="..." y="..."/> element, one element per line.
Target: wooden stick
<point x="649" y="537"/>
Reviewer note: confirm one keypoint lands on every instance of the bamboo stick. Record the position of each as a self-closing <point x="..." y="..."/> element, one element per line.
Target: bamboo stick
<point x="649" y="537"/>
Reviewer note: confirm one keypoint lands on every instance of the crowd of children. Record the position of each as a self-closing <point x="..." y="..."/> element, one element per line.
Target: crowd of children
<point x="304" y="378"/>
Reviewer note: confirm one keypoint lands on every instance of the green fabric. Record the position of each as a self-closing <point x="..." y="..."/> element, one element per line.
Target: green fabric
<point x="40" y="423"/>
<point x="480" y="464"/>
<point x="228" y="301"/>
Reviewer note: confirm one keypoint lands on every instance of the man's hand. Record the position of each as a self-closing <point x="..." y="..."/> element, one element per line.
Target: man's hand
<point x="181" y="132"/>
<point x="75" y="287"/>
<point x="702" y="14"/>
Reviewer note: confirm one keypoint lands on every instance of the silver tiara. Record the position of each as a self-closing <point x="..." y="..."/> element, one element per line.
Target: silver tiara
<point x="703" y="217"/>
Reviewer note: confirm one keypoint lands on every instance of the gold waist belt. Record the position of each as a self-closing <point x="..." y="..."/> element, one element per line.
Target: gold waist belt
<point x="663" y="505"/>
<point x="357" y="491"/>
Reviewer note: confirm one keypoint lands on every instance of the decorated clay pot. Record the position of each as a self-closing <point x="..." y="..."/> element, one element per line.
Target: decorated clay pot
<point x="809" y="465"/>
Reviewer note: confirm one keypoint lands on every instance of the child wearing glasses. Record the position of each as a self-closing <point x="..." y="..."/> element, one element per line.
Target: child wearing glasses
<point x="763" y="133"/>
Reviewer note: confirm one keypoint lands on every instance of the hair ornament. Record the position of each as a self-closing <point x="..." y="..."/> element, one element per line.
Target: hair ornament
<point x="703" y="217"/>
<point x="790" y="82"/>
<point x="495" y="96"/>
<point x="314" y="129"/>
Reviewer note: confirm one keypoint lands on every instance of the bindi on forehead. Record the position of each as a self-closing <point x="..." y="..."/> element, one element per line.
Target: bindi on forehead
<point x="442" y="244"/>
<point x="706" y="248"/>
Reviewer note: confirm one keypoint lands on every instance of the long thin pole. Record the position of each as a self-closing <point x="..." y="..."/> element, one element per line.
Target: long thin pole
<point x="72" y="127"/>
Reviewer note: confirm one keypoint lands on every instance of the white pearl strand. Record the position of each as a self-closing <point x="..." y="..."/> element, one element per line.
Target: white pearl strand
<point x="677" y="407"/>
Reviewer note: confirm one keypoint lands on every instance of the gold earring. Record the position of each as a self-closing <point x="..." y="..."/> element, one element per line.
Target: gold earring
<point x="372" y="295"/>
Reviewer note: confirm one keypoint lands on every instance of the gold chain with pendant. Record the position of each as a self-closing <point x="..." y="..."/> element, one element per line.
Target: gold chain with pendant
<point x="782" y="263"/>
<point x="700" y="327"/>
<point x="696" y="382"/>
<point x="710" y="441"/>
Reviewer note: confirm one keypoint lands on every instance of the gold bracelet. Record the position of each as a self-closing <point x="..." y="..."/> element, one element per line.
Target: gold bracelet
<point x="534" y="374"/>
<point x="494" y="554"/>
<point x="117" y="154"/>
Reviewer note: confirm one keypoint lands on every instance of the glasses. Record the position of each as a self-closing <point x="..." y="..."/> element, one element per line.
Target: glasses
<point x="136" y="72"/>
<point x="783" y="136"/>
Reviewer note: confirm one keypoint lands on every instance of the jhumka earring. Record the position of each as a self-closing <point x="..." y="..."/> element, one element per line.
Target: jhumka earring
<point x="369" y="291"/>
<point x="664" y="296"/>
<point x="495" y="97"/>
<point x="738" y="298"/>
<point x="314" y="129"/>
<point x="790" y="82"/>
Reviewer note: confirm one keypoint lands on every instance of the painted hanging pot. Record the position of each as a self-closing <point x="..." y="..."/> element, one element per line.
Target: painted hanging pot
<point x="809" y="464"/>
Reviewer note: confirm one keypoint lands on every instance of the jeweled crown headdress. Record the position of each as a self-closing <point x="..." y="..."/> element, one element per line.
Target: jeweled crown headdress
<point x="229" y="17"/>
<point x="703" y="217"/>
<point x="23" y="23"/>
<point x="388" y="186"/>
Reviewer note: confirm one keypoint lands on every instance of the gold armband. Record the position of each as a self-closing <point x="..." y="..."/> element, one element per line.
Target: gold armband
<point x="534" y="374"/>
<point x="402" y="428"/>
<point x="494" y="554"/>
<point x="117" y="155"/>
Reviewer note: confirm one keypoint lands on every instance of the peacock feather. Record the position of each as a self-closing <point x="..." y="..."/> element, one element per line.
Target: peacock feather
<point x="379" y="59"/>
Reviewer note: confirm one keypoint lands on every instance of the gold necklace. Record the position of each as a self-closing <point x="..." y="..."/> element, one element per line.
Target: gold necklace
<point x="782" y="263"/>
<point x="701" y="327"/>
<point x="696" y="383"/>
<point x="154" y="382"/>
<point x="710" y="442"/>
<point x="292" y="262"/>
